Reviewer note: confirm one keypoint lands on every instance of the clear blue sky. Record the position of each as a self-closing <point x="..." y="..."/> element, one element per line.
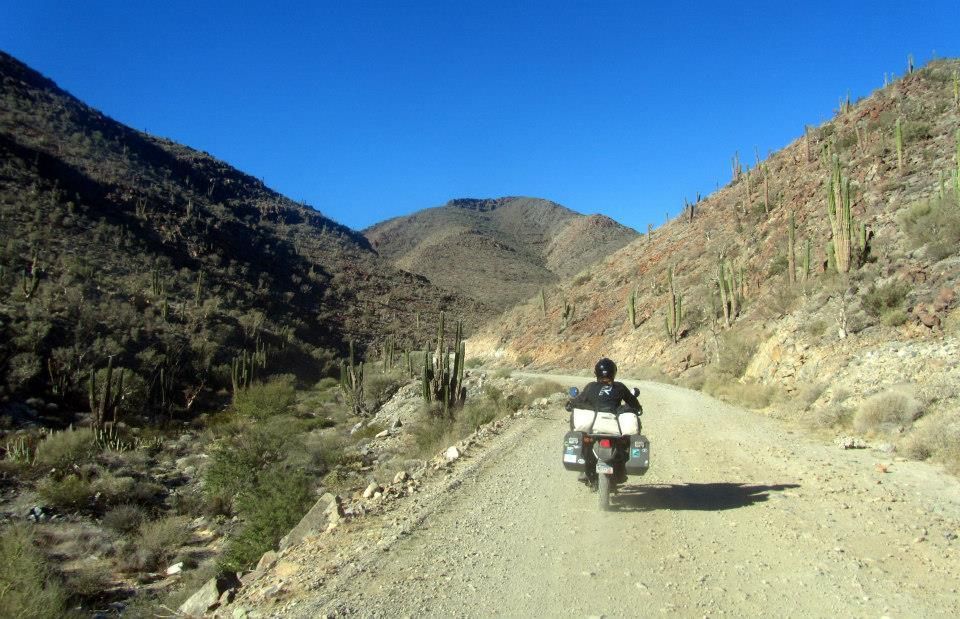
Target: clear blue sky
<point x="368" y="110"/>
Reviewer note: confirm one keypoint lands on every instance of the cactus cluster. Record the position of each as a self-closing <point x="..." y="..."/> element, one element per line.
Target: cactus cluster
<point x="389" y="354"/>
<point x="442" y="383"/>
<point x="105" y="401"/>
<point x="351" y="382"/>
<point x="731" y="290"/>
<point x="674" y="317"/>
<point x="245" y="365"/>
<point x="842" y="223"/>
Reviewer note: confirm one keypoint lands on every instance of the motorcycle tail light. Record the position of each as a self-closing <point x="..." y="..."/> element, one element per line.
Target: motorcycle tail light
<point x="605" y="442"/>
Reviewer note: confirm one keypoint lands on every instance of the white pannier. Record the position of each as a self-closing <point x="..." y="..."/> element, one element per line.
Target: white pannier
<point x="592" y="422"/>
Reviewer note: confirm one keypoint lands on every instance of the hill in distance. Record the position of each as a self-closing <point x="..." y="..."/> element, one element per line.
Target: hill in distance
<point x="497" y="251"/>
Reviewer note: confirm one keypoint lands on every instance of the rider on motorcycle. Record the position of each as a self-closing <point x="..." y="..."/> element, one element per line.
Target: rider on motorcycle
<point x="605" y="395"/>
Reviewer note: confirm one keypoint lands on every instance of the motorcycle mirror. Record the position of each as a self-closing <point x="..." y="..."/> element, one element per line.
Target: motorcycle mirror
<point x="636" y="392"/>
<point x="574" y="392"/>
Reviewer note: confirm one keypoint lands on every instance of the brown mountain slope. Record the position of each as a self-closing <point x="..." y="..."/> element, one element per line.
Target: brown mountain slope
<point x="889" y="320"/>
<point x="498" y="251"/>
<point x="120" y="244"/>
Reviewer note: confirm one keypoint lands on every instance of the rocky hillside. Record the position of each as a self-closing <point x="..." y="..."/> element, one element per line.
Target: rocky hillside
<point x="118" y="244"/>
<point x="497" y="251"/>
<point x="779" y="325"/>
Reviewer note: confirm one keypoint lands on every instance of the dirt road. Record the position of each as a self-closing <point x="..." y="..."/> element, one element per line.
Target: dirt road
<point x="739" y="515"/>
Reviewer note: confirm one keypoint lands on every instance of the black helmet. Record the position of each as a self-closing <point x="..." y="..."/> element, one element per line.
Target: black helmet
<point x="605" y="368"/>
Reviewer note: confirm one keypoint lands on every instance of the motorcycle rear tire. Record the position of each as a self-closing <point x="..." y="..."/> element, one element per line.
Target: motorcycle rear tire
<point x="603" y="491"/>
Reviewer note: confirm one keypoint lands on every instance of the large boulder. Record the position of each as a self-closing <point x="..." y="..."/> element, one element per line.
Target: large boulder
<point x="313" y="522"/>
<point x="207" y="598"/>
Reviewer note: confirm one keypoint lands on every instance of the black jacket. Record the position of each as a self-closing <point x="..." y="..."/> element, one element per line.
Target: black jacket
<point x="605" y="398"/>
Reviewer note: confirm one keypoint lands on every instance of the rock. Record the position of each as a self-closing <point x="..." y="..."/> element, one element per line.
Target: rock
<point x="850" y="442"/>
<point x="286" y="569"/>
<point x="314" y="521"/>
<point x="356" y="428"/>
<point x="372" y="489"/>
<point x="396" y="423"/>
<point x="239" y="613"/>
<point x="207" y="598"/>
<point x="383" y="434"/>
<point x="226" y="597"/>
<point x="176" y="568"/>
<point x="38" y="513"/>
<point x="268" y="559"/>
<point x="451" y="454"/>
<point x="400" y="477"/>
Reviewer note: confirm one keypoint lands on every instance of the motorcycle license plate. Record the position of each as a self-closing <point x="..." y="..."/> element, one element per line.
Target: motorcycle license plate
<point x="604" y="468"/>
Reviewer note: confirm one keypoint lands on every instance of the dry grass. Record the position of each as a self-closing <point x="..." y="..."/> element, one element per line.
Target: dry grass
<point x="27" y="587"/>
<point x="936" y="437"/>
<point x="887" y="411"/>
<point x="65" y="449"/>
<point x="157" y="542"/>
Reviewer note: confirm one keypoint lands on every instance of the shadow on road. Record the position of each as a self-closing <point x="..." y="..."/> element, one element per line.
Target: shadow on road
<point x="693" y="497"/>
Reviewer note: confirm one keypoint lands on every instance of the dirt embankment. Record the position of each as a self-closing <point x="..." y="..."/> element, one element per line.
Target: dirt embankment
<point x="738" y="515"/>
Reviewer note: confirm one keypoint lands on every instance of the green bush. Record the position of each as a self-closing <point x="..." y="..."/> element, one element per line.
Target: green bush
<point x="71" y="447"/>
<point x="236" y="461"/>
<point x="124" y="519"/>
<point x="27" y="588"/>
<point x="157" y="542"/>
<point x="879" y="300"/>
<point x="894" y="317"/>
<point x="273" y="506"/>
<point x="545" y="388"/>
<point x="477" y="413"/>
<point x="265" y="400"/>
<point x="934" y="223"/>
<point x="71" y="492"/>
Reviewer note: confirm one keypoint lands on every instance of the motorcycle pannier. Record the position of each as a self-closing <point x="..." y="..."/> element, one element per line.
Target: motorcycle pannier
<point x="573" y="452"/>
<point x="639" y="460"/>
<point x="629" y="423"/>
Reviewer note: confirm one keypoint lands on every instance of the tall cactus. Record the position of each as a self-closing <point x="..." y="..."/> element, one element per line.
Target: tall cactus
<point x="674" y="317"/>
<point x="805" y="268"/>
<point x="632" y="309"/>
<point x="105" y="401"/>
<point x="543" y="301"/>
<point x="445" y="382"/>
<point x="351" y="383"/>
<point x="898" y="138"/>
<point x="841" y="219"/>
<point x="791" y="250"/>
<point x="956" y="173"/>
<point x="731" y="291"/>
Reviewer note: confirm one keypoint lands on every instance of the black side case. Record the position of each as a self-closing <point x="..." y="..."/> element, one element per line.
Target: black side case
<point x="573" y="452"/>
<point x="639" y="460"/>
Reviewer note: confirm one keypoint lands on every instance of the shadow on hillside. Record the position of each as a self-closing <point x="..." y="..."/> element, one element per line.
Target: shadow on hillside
<point x="693" y="497"/>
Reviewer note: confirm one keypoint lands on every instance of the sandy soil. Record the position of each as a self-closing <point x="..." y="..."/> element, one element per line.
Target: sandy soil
<point x="739" y="515"/>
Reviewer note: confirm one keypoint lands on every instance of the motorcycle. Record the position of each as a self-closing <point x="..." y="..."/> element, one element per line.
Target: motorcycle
<point x="606" y="446"/>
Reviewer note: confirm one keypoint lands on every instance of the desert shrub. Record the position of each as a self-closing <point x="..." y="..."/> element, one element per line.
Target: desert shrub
<point x="545" y="388"/>
<point x="157" y="542"/>
<point x="894" y="317"/>
<point x="70" y="492"/>
<point x="432" y="434"/>
<point x="28" y="589"/>
<point x="747" y="394"/>
<point x="886" y="298"/>
<point x="66" y="449"/>
<point x="886" y="410"/>
<point x="801" y="399"/>
<point x="124" y="519"/>
<point x="935" y="437"/>
<point x="934" y="223"/>
<point x="236" y="461"/>
<point x="264" y="400"/>
<point x="478" y="413"/>
<point x="816" y="328"/>
<point x="272" y="507"/>
<point x="503" y="372"/>
<point x="473" y="362"/>
<point x="113" y="489"/>
<point x="832" y="415"/>
<point x="525" y="359"/>
<point x="326" y="384"/>
<point x="379" y="388"/>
